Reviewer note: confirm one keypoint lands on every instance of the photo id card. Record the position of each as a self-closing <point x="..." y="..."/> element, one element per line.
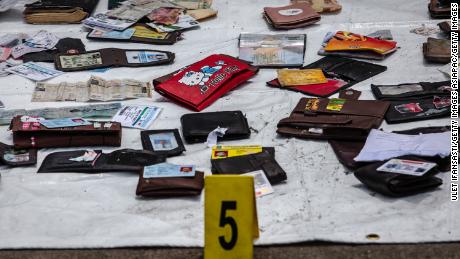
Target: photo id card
<point x="408" y="167"/>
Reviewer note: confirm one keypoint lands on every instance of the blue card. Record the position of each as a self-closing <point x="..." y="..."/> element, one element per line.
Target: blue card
<point x="65" y="122"/>
<point x="119" y="35"/>
<point x="169" y="170"/>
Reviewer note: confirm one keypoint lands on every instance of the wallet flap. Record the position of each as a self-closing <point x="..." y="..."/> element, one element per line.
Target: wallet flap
<point x="339" y="106"/>
<point x="197" y="126"/>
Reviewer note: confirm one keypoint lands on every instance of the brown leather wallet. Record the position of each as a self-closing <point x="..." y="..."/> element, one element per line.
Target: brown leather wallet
<point x="322" y="118"/>
<point x="112" y="57"/>
<point x="437" y="50"/>
<point x="35" y="135"/>
<point x="439" y="9"/>
<point x="291" y="16"/>
<point x="170" y="186"/>
<point x="58" y="11"/>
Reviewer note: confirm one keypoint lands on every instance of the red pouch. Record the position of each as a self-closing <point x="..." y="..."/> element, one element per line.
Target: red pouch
<point x="202" y="83"/>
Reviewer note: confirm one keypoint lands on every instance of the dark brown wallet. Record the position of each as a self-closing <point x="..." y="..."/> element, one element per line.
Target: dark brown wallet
<point x="35" y="135"/>
<point x="291" y="16"/>
<point x="322" y="118"/>
<point x="170" y="186"/>
<point x="112" y="57"/>
<point x="439" y="9"/>
<point x="437" y="50"/>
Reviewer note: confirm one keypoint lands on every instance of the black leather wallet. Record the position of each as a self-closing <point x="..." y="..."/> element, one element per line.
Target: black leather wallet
<point x="123" y="160"/>
<point x="345" y="69"/>
<point x="416" y="110"/>
<point x="410" y="90"/>
<point x="197" y="126"/>
<point x="394" y="184"/>
<point x="163" y="142"/>
<point x="270" y="150"/>
<point x="17" y="157"/>
<point x="347" y="150"/>
<point x="244" y="164"/>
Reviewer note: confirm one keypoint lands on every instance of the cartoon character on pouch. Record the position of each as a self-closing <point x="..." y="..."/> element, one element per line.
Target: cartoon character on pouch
<point x="192" y="78"/>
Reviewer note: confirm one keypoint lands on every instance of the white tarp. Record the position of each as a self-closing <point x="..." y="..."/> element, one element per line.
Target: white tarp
<point x="319" y="201"/>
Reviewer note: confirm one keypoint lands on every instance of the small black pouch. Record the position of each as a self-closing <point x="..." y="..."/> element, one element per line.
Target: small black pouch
<point x="17" y="157"/>
<point x="410" y="90"/>
<point x="394" y="184"/>
<point x="64" y="45"/>
<point x="349" y="70"/>
<point x="244" y="164"/>
<point x="419" y="109"/>
<point x="165" y="142"/>
<point x="124" y="160"/>
<point x="197" y="126"/>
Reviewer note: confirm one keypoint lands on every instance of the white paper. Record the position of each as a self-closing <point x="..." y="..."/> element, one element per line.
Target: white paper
<point x="140" y="117"/>
<point x="382" y="145"/>
<point x="212" y="136"/>
<point x="184" y="22"/>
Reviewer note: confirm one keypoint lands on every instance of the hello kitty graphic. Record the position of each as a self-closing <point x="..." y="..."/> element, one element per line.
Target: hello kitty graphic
<point x="193" y="78"/>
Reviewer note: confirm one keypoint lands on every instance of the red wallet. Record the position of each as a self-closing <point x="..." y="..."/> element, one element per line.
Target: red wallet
<point x="202" y="83"/>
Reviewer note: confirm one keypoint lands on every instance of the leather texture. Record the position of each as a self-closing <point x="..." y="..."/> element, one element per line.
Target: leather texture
<point x="110" y="57"/>
<point x="197" y="126"/>
<point x="291" y="16"/>
<point x="58" y="11"/>
<point x="248" y="163"/>
<point x="346" y="150"/>
<point x="147" y="143"/>
<point x="353" y="121"/>
<point x="408" y="91"/>
<point x="349" y="70"/>
<point x="437" y="50"/>
<point x="123" y="160"/>
<point x="397" y="185"/>
<point x="439" y="9"/>
<point x="64" y="45"/>
<point x="35" y="135"/>
<point x="419" y="110"/>
<point x="170" y="186"/>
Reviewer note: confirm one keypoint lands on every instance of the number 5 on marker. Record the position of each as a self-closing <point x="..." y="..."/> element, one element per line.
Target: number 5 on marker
<point x="230" y="217"/>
